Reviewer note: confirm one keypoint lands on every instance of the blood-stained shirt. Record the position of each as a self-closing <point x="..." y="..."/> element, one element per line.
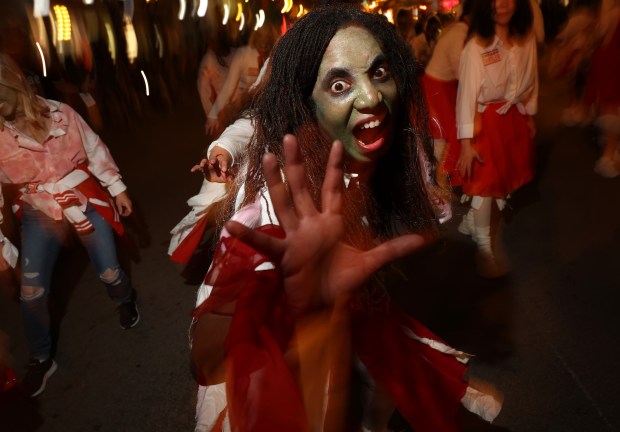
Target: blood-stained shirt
<point x="70" y="142"/>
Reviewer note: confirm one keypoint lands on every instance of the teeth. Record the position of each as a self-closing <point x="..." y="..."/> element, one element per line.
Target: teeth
<point x="372" y="124"/>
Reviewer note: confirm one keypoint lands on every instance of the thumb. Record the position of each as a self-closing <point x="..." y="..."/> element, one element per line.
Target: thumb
<point x="391" y="250"/>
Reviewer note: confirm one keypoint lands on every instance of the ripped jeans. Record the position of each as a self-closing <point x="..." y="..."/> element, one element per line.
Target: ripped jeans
<point x="42" y="239"/>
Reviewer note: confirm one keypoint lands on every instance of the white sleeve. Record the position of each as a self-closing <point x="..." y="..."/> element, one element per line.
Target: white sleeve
<point x="470" y="80"/>
<point x="100" y="161"/>
<point x="235" y="138"/>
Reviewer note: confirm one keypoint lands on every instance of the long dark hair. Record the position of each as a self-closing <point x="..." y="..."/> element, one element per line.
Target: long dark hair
<point x="397" y="198"/>
<point x="482" y="23"/>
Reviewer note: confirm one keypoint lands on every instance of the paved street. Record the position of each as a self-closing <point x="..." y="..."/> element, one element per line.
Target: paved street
<point x="547" y="335"/>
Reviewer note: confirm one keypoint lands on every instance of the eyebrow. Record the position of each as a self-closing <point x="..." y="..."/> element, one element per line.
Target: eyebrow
<point x="344" y="72"/>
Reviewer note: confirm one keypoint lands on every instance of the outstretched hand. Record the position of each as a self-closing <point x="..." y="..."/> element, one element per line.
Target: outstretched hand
<point x="317" y="265"/>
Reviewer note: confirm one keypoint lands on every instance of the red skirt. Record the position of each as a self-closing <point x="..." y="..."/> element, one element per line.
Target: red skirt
<point x="507" y="152"/>
<point x="441" y="102"/>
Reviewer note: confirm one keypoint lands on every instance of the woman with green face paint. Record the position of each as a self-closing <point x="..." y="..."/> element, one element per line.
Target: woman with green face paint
<point x="334" y="188"/>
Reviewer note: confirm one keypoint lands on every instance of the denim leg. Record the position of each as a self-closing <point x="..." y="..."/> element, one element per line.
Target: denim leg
<point x="41" y="241"/>
<point x="101" y="248"/>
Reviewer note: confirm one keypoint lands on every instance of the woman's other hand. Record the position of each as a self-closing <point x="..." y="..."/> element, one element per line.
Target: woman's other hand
<point x="218" y="168"/>
<point x="317" y="265"/>
<point x="467" y="158"/>
<point x="123" y="204"/>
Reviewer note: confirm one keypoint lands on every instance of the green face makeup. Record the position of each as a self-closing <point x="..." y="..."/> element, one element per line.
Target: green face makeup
<point x="355" y="95"/>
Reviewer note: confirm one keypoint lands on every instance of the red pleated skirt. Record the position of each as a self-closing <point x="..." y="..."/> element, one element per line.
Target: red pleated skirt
<point x="507" y="152"/>
<point x="441" y="102"/>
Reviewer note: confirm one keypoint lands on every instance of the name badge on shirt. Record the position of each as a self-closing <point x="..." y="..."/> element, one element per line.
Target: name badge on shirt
<point x="490" y="57"/>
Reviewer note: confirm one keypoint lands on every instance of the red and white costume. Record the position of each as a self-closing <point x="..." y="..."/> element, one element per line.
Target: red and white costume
<point x="422" y="375"/>
<point x="440" y="84"/>
<point x="57" y="177"/>
<point x="500" y="86"/>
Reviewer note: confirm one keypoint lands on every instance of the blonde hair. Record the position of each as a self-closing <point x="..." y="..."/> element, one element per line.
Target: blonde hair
<point x="34" y="108"/>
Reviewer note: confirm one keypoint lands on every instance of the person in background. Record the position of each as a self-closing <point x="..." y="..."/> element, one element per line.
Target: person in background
<point x="404" y="25"/>
<point x="424" y="43"/>
<point x="64" y="178"/>
<point x="602" y="91"/>
<point x="244" y="69"/>
<point x="440" y="84"/>
<point x="214" y="68"/>
<point x="497" y="97"/>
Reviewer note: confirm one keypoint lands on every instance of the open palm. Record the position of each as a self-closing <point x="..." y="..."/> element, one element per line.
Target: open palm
<point x="317" y="266"/>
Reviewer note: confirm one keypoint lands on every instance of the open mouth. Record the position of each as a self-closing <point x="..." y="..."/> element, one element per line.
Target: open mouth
<point x="371" y="133"/>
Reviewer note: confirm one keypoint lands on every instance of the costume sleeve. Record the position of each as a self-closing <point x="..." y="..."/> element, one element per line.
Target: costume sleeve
<point x="531" y="105"/>
<point x="470" y="81"/>
<point x="230" y="85"/>
<point x="235" y="138"/>
<point x="100" y="161"/>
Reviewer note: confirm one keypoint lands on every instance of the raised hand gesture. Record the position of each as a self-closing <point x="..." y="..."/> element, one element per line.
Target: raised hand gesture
<point x="316" y="265"/>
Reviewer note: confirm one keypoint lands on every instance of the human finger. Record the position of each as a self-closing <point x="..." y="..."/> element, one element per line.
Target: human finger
<point x="268" y="245"/>
<point x="296" y="177"/>
<point x="223" y="164"/>
<point x="200" y="165"/>
<point x="331" y="192"/>
<point x="391" y="250"/>
<point x="279" y="194"/>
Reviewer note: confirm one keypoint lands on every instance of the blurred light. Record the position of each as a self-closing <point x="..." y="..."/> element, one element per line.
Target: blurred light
<point x="422" y="7"/>
<point x="288" y="5"/>
<point x="202" y="8"/>
<point x="260" y="19"/>
<point x="301" y="10"/>
<point x="239" y="11"/>
<point x="132" y="41"/>
<point x="41" y="8"/>
<point x="389" y="15"/>
<point x="159" y="43"/>
<point x="42" y="59"/>
<point x="111" y="41"/>
<point x="226" y="14"/>
<point x="63" y="21"/>
<point x="89" y="2"/>
<point x="242" y="22"/>
<point x="181" y="9"/>
<point x="146" y="82"/>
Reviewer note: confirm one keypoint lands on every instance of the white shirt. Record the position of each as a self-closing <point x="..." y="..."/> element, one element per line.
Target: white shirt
<point x="496" y="74"/>
<point x="444" y="63"/>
